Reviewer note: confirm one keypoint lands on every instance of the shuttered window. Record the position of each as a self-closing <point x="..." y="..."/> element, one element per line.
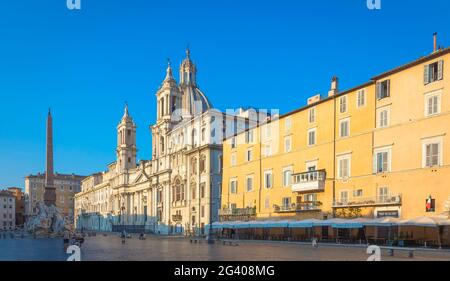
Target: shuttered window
<point x="343" y="104"/>
<point x="432" y="155"/>
<point x="433" y="72"/>
<point x="432" y="105"/>
<point x="383" y="89"/>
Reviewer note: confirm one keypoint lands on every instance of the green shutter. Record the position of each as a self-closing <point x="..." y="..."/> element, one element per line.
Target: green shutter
<point x="426" y="74"/>
<point x="440" y="69"/>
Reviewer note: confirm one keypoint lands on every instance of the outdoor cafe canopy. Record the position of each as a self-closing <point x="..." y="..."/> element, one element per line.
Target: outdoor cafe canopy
<point x="336" y="223"/>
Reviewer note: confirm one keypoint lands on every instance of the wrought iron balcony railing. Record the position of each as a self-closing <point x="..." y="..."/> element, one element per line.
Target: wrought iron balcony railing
<point x="238" y="212"/>
<point x="298" y="207"/>
<point x="384" y="200"/>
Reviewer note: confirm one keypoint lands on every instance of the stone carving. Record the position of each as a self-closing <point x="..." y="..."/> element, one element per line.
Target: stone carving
<point x="47" y="221"/>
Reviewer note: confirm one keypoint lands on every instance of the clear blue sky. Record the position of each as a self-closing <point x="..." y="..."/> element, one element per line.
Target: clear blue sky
<point x="268" y="54"/>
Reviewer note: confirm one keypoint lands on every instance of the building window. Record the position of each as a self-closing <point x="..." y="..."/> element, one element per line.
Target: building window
<point x="344" y="128"/>
<point x="382" y="161"/>
<point x="310" y="198"/>
<point x="287" y="175"/>
<point x="312" y="115"/>
<point x="193" y="190"/>
<point x="432" y="155"/>
<point x="249" y="155"/>
<point x="249" y="136"/>
<point x="286" y="201"/>
<point x="233" y="142"/>
<point x="383" y="118"/>
<point x="220" y="164"/>
<point x="312" y="137"/>
<point x="361" y="99"/>
<point x="178" y="191"/>
<point x="344" y="167"/>
<point x="249" y="183"/>
<point x="202" y="190"/>
<point x="268" y="179"/>
<point x="358" y="193"/>
<point x="287" y="144"/>
<point x="233" y="186"/>
<point x="383" y="194"/>
<point x="202" y="163"/>
<point x="343" y="104"/>
<point x="203" y="134"/>
<point x="62" y="187"/>
<point x="433" y="72"/>
<point x="432" y="104"/>
<point x="233" y="159"/>
<point x="383" y="89"/>
<point x="344" y="196"/>
<point x="202" y="211"/>
<point x="194" y="166"/>
<point x="288" y="124"/>
<point x="268" y="130"/>
<point x="267" y="150"/>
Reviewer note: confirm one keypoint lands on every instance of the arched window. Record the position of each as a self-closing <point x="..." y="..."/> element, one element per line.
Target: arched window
<point x="178" y="191"/>
<point x="203" y="134"/>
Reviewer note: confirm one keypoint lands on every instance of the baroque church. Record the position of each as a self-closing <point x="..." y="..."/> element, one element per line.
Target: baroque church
<point x="178" y="190"/>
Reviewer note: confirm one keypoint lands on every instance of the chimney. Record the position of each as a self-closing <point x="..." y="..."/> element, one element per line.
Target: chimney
<point x="334" y="86"/>
<point x="434" y="42"/>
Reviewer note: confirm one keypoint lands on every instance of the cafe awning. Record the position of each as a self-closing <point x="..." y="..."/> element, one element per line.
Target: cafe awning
<point x="421" y="221"/>
<point x="304" y="223"/>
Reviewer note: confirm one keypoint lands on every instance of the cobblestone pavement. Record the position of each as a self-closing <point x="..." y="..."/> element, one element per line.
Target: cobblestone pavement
<point x="110" y="248"/>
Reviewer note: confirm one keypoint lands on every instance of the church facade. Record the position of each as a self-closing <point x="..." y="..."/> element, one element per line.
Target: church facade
<point x="177" y="191"/>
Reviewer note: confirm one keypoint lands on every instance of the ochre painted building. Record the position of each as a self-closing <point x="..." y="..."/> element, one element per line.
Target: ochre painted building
<point x="379" y="149"/>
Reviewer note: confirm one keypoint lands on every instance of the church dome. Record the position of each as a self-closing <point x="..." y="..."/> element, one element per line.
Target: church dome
<point x="195" y="101"/>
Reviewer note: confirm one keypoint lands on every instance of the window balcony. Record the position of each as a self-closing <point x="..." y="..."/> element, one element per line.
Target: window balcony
<point x="177" y="218"/>
<point x="386" y="200"/>
<point x="313" y="181"/>
<point x="298" y="207"/>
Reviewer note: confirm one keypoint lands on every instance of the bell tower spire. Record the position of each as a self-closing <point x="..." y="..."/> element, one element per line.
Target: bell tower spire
<point x="126" y="142"/>
<point x="188" y="70"/>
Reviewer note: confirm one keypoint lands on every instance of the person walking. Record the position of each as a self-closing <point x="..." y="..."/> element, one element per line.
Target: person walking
<point x="124" y="236"/>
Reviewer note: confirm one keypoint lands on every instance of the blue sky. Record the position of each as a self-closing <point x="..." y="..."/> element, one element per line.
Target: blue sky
<point x="269" y="54"/>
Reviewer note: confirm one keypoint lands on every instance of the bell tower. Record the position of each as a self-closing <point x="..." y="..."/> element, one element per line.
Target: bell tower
<point x="168" y="98"/>
<point x="126" y="143"/>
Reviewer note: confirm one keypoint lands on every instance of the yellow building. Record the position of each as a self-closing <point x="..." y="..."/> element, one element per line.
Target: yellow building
<point x="372" y="151"/>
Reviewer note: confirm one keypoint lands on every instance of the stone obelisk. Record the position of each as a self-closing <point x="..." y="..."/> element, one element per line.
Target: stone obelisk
<point x="50" y="190"/>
